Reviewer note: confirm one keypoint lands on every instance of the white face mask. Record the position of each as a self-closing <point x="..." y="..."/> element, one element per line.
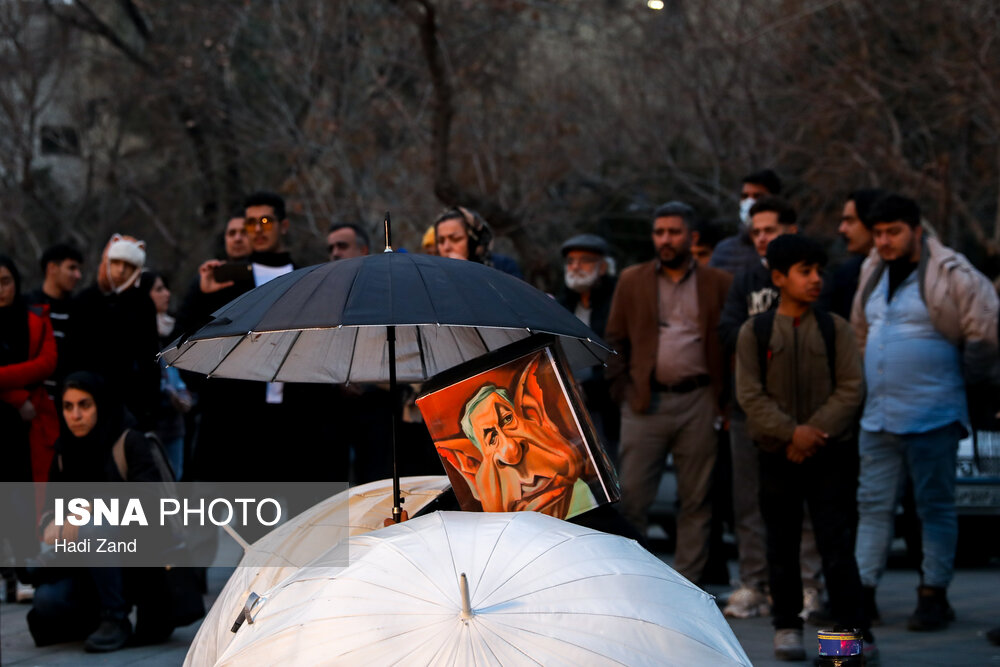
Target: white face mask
<point x="582" y="281"/>
<point x="745" y="206"/>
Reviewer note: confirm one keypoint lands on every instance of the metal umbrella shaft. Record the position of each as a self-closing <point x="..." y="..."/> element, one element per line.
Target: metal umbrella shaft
<point x="397" y="511"/>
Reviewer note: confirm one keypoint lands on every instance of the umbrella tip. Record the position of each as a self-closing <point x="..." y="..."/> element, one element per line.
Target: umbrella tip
<point x="463" y="584"/>
<point x="388" y="233"/>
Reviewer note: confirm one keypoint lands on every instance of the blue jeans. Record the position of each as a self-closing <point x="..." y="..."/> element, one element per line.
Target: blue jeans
<point x="929" y="459"/>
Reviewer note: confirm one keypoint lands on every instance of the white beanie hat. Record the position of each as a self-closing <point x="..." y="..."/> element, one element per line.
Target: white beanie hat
<point x="132" y="251"/>
<point x="127" y="250"/>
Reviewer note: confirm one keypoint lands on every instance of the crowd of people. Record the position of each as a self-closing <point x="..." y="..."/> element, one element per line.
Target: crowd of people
<point x="822" y="390"/>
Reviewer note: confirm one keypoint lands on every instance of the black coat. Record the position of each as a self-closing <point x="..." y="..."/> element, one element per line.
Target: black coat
<point x="114" y="335"/>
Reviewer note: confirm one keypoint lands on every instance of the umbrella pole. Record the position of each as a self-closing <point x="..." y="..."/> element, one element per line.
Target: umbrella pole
<point x="397" y="510"/>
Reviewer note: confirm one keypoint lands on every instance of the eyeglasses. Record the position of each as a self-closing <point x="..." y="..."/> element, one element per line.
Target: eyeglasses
<point x="264" y="222"/>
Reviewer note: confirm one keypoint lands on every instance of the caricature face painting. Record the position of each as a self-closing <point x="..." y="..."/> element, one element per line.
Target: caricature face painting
<point x="510" y="436"/>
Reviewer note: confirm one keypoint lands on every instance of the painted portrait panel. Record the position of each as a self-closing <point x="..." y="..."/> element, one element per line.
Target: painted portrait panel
<point x="513" y="438"/>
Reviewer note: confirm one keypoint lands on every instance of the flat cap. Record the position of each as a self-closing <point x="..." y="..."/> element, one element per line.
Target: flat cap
<point x="590" y="242"/>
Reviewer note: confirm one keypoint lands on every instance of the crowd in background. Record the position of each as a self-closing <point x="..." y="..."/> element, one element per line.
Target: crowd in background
<point x="796" y="398"/>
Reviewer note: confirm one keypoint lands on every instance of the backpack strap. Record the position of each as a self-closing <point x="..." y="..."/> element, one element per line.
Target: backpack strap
<point x="763" y="325"/>
<point x="828" y="330"/>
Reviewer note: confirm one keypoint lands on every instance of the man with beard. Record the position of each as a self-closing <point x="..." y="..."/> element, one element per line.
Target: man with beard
<point x="667" y="376"/>
<point x="926" y="323"/>
<point x="587" y="294"/>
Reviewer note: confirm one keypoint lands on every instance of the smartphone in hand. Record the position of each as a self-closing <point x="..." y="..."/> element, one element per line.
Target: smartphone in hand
<point x="232" y="271"/>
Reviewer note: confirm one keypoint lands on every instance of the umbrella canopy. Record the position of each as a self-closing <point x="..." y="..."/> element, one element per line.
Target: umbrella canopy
<point x="283" y="551"/>
<point x="329" y="322"/>
<point x="540" y="590"/>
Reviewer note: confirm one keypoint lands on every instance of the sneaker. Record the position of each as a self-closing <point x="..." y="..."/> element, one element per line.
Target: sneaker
<point x="112" y="634"/>
<point x="871" y="609"/>
<point x="788" y="644"/>
<point x="814" y="609"/>
<point x="933" y="611"/>
<point x="25" y="592"/>
<point x="746" y="602"/>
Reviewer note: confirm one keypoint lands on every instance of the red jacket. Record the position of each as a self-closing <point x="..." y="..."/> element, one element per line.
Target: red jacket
<point x="22" y="382"/>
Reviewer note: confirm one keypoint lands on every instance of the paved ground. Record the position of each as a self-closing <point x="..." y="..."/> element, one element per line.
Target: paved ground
<point x="975" y="595"/>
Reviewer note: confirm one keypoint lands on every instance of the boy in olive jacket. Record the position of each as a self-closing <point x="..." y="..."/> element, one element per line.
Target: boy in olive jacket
<point x="799" y="379"/>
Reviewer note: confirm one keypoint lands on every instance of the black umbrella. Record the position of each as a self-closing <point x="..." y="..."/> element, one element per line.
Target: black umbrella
<point x="385" y="317"/>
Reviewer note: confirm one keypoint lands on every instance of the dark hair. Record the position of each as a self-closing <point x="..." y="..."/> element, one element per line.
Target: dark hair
<point x="265" y="198"/>
<point x="709" y="233"/>
<point x="786" y="214"/>
<point x="359" y="232"/>
<point x="5" y="260"/>
<point x="676" y="209"/>
<point x="148" y="278"/>
<point x="766" y="178"/>
<point x="59" y="253"/>
<point x="893" y="207"/>
<point x="863" y="200"/>
<point x="787" y="250"/>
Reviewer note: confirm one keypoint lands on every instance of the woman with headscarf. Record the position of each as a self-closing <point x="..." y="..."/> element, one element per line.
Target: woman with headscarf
<point x="28" y="423"/>
<point x="96" y="444"/>
<point x="462" y="233"/>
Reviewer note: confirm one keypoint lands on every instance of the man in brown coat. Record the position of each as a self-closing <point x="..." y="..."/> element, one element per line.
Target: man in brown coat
<point x="667" y="376"/>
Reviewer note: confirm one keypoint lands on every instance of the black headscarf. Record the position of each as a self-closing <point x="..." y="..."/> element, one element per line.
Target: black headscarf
<point x="85" y="459"/>
<point x="13" y="322"/>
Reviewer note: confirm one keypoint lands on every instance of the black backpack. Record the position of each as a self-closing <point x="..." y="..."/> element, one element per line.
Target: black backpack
<point x="763" y="324"/>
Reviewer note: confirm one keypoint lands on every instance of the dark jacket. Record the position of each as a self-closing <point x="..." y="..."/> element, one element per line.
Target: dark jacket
<point x="633" y="329"/>
<point x="600" y="302"/>
<point x="840" y="285"/>
<point x="115" y="336"/>
<point x="799" y="387"/>
<point x="735" y="254"/>
<point x="752" y="293"/>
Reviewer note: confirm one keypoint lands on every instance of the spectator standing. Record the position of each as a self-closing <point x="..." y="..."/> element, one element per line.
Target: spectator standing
<point x="926" y="322"/>
<point x="234" y="449"/>
<point x="588" y="289"/>
<point x="345" y="240"/>
<point x="461" y="233"/>
<point x="175" y="399"/>
<point x="838" y="291"/>
<point x="737" y="254"/>
<point x="428" y="243"/>
<point x="28" y="426"/>
<point x="704" y="239"/>
<point x="114" y="329"/>
<point x="753" y="293"/>
<point x="798" y="377"/>
<point x="60" y="265"/>
<point x="667" y="376"/>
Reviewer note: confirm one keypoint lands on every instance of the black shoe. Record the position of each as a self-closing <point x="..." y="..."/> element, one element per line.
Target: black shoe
<point x="112" y="634"/>
<point x="871" y="609"/>
<point x="993" y="636"/>
<point x="933" y="611"/>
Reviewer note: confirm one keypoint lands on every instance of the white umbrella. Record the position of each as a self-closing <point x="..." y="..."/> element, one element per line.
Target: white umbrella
<point x="540" y="590"/>
<point x="283" y="551"/>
